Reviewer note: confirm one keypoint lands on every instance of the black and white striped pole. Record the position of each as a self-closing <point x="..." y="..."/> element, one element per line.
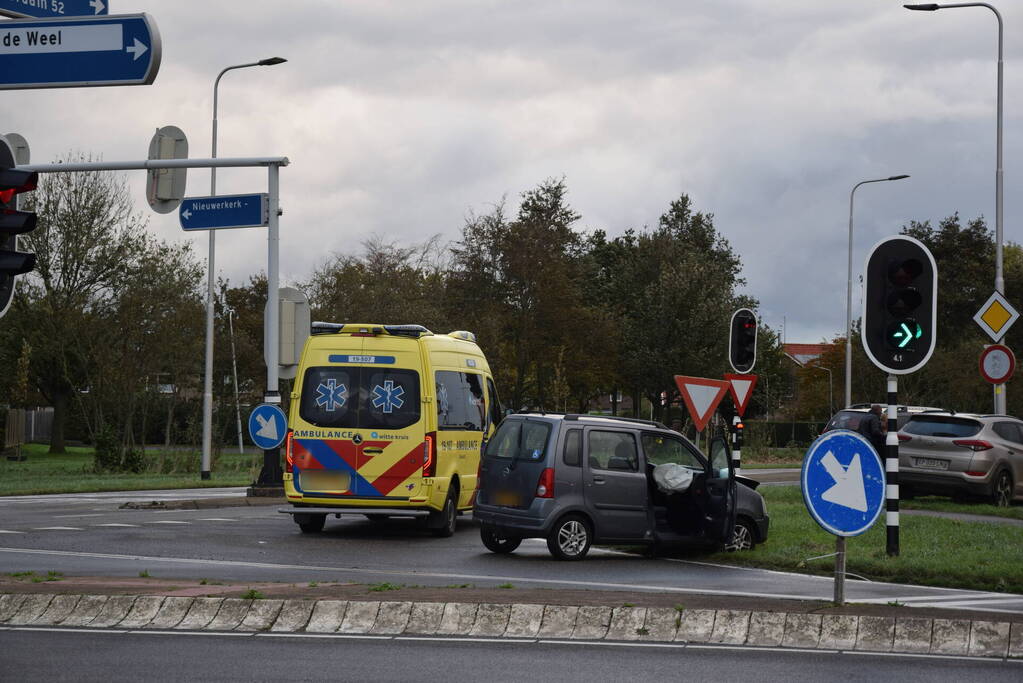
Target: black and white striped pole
<point x="891" y="469"/>
<point x="900" y="303"/>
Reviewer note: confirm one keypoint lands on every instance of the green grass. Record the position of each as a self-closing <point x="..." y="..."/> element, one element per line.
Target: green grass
<point x="71" y="472"/>
<point x="768" y="458"/>
<point x="933" y="551"/>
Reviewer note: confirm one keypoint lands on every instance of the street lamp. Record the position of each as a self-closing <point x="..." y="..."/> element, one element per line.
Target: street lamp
<point x="234" y="369"/>
<point x="848" y="289"/>
<point x="1000" y="397"/>
<point x="207" y="394"/>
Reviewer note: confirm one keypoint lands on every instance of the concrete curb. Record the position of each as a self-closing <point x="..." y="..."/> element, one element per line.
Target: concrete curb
<point x="909" y="635"/>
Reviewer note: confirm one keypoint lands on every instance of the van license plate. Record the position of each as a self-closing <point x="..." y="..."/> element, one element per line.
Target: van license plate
<point x="506" y="498"/>
<point x="931" y="463"/>
<point x="318" y="480"/>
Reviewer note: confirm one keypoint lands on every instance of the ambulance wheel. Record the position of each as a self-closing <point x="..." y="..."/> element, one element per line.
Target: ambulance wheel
<point x="444" y="521"/>
<point x="310" y="524"/>
<point x="497" y="543"/>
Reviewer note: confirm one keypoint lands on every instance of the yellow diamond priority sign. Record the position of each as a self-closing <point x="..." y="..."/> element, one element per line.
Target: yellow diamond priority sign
<point x="996" y="316"/>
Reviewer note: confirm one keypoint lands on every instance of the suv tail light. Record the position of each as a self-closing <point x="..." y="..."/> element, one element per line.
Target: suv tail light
<point x="973" y="444"/>
<point x="289" y="458"/>
<point x="904" y="437"/>
<point x="430" y="455"/>
<point x="545" y="484"/>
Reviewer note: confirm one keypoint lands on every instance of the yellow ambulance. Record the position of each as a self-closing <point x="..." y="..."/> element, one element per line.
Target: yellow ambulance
<point x="387" y="420"/>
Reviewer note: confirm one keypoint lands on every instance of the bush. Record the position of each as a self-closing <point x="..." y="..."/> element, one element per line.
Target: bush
<point x="112" y="456"/>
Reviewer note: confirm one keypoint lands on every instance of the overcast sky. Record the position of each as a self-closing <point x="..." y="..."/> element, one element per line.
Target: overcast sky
<point x="400" y="118"/>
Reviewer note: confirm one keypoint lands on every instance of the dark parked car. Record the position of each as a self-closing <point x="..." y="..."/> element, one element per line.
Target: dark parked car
<point x="576" y="480"/>
<point x="960" y="454"/>
<point x="849" y="418"/>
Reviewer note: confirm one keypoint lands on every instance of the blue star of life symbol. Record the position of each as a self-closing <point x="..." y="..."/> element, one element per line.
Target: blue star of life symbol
<point x="388" y="397"/>
<point x="331" y="395"/>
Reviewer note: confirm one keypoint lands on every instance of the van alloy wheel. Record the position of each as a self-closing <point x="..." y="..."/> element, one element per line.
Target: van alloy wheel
<point x="742" y="537"/>
<point x="1002" y="490"/>
<point x="570" y="538"/>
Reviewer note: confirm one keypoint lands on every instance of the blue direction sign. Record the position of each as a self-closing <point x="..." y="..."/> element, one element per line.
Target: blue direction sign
<point x="843" y="483"/>
<point x="223" y="211"/>
<point x="267" y="426"/>
<point x="79" y="52"/>
<point x="53" y="8"/>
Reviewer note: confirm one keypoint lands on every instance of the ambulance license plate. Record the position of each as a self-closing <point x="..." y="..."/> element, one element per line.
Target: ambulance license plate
<point x="319" y="480"/>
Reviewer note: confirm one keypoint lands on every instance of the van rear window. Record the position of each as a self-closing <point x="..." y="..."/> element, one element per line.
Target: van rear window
<point x="521" y="440"/>
<point x="360" y="397"/>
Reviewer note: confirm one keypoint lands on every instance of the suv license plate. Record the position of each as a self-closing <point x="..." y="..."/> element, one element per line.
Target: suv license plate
<point x="931" y="463"/>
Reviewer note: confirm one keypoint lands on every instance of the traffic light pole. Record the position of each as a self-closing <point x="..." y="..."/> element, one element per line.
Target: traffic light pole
<point x="891" y="467"/>
<point x="271" y="474"/>
<point x="737" y="444"/>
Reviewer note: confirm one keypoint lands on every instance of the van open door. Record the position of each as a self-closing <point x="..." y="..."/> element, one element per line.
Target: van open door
<point x="721" y="495"/>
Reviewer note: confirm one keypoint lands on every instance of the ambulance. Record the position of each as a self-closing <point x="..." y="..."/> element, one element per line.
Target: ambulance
<point x="387" y="420"/>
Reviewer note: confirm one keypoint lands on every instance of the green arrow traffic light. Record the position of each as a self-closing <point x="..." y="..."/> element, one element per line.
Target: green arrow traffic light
<point x="904" y="332"/>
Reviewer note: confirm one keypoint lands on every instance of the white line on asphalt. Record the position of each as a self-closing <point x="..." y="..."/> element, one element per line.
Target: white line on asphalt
<point x="993" y="660"/>
<point x="343" y="636"/>
<point x="972" y="603"/>
<point x="921" y="598"/>
<point x="168" y="521"/>
<point x="671" y="646"/>
<point x="473" y="640"/>
<point x="243" y="634"/>
<point x="6" y="531"/>
<point x="65" y="630"/>
<point x="58" y="528"/>
<point x="215" y="519"/>
<point x="116" y="524"/>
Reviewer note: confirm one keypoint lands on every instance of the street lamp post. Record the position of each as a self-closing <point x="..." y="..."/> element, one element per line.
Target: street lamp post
<point x="234" y="372"/>
<point x="999" y="389"/>
<point x="848" y="289"/>
<point x="831" y="390"/>
<point x="207" y="393"/>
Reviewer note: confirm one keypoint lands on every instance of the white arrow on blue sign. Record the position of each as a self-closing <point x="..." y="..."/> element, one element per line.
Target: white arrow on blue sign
<point x="843" y="483"/>
<point x="267" y="426"/>
<point x="224" y="211"/>
<point x="79" y="52"/>
<point x="52" y="8"/>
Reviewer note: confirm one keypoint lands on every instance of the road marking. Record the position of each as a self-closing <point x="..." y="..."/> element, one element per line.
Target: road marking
<point x="58" y="528"/>
<point x="168" y="521"/>
<point x="216" y="519"/>
<point x="116" y="524"/>
<point x="5" y="531"/>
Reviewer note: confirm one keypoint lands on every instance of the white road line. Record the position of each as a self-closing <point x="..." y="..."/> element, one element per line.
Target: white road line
<point x="972" y="603"/>
<point x="972" y="596"/>
<point x="168" y="521"/>
<point x="116" y="524"/>
<point x="215" y="519"/>
<point x="6" y="531"/>
<point x="58" y="528"/>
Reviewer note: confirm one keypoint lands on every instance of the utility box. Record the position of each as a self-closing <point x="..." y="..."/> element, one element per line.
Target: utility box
<point x="294" y="321"/>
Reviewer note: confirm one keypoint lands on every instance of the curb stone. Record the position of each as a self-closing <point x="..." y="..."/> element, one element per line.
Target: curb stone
<point x="912" y="635"/>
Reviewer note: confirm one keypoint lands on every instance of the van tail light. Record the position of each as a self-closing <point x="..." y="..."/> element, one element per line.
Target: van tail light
<point x="973" y="444"/>
<point x="289" y="458"/>
<point x="904" y="437"/>
<point x="545" y="485"/>
<point x="430" y="455"/>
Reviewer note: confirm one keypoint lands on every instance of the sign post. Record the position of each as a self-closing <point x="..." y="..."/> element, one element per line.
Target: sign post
<point x="79" y="52"/>
<point x="844" y="488"/>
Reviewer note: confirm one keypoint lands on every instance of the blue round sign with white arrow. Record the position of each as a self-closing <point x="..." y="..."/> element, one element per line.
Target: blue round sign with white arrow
<point x="843" y="483"/>
<point x="267" y="426"/>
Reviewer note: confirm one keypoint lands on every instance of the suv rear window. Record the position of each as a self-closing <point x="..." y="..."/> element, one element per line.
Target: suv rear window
<point x="521" y="440"/>
<point x="360" y="398"/>
<point x="939" y="425"/>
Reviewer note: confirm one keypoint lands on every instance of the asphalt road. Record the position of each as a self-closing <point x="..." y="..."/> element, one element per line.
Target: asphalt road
<point x="88" y="534"/>
<point x="69" y="655"/>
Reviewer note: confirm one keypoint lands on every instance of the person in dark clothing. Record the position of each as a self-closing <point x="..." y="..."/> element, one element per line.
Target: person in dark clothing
<point x="872" y="428"/>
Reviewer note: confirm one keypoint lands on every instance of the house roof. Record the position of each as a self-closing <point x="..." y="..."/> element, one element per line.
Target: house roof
<point x="802" y="354"/>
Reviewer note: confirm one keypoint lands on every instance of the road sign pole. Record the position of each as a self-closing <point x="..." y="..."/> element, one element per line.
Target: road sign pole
<point x="271" y="477"/>
<point x="839" y="570"/>
<point x="891" y="466"/>
<point x="737" y="444"/>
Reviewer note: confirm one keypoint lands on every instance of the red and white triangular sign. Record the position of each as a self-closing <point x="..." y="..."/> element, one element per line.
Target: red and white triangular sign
<point x="741" y="388"/>
<point x="702" y="397"/>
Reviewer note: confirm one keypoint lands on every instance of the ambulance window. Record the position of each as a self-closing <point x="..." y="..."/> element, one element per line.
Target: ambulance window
<point x="391" y="398"/>
<point x="329" y="395"/>
<point x="496" y="415"/>
<point x="459" y="401"/>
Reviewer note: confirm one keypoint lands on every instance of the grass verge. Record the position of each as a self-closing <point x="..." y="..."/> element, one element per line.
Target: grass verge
<point x="72" y="472"/>
<point x="933" y="551"/>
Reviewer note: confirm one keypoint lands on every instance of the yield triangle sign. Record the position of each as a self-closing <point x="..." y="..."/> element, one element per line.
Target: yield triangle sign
<point x="702" y="397"/>
<point x="741" y="388"/>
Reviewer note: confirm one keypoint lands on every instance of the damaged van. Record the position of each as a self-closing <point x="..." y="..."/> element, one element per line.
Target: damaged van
<point x="577" y="480"/>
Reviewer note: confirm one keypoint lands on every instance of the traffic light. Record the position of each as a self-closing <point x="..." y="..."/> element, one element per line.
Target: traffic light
<point x="13" y="222"/>
<point x="899" y="304"/>
<point x="742" y="340"/>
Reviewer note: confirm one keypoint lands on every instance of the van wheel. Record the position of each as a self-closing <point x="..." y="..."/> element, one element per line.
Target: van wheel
<point x="1001" y="490"/>
<point x="496" y="543"/>
<point x="743" y="537"/>
<point x="310" y="524"/>
<point x="570" y="538"/>
<point x="446" y="518"/>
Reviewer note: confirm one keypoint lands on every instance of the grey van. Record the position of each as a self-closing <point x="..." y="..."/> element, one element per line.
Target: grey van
<point x="576" y="480"/>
